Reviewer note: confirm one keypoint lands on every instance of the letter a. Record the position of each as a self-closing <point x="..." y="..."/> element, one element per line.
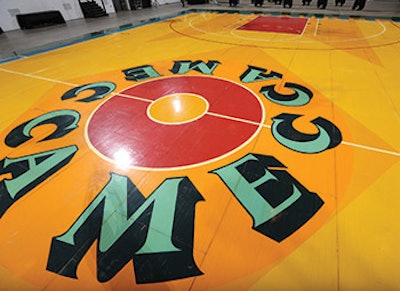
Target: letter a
<point x="29" y="171"/>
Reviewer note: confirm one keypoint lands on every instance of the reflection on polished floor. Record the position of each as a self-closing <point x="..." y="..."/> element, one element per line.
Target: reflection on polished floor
<point x="202" y="148"/>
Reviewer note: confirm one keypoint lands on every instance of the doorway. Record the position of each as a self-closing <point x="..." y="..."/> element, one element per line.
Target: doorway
<point x="120" y="5"/>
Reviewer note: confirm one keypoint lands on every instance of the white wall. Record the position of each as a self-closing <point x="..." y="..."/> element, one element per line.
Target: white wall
<point x="167" y="1"/>
<point x="70" y="9"/>
<point x="108" y="4"/>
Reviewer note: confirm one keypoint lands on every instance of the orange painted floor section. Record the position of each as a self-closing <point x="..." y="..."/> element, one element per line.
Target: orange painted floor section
<point x="192" y="154"/>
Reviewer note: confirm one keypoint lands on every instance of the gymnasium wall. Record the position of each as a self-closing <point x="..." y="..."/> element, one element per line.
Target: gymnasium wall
<point x="69" y="9"/>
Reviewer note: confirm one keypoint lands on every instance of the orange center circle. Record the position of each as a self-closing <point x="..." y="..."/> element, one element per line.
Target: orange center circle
<point x="178" y="108"/>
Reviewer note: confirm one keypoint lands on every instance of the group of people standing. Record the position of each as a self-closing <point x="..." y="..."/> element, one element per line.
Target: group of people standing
<point x="321" y="4"/>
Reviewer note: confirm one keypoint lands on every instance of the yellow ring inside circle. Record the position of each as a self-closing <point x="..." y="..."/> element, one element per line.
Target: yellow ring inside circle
<point x="178" y="108"/>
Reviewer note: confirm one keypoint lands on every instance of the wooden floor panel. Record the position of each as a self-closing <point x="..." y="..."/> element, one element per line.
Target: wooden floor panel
<point x="188" y="154"/>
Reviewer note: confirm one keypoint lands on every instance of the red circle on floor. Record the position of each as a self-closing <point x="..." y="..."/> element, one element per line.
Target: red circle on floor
<point x="121" y="130"/>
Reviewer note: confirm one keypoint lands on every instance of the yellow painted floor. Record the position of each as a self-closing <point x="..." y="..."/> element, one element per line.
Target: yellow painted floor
<point x="190" y="154"/>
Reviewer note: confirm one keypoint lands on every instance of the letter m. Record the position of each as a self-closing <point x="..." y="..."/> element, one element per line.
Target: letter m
<point x="157" y="232"/>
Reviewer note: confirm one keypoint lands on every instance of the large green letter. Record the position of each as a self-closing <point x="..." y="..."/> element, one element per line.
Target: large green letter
<point x="140" y="73"/>
<point x="182" y="67"/>
<point x="64" y="120"/>
<point x="328" y="136"/>
<point x="255" y="74"/>
<point x="157" y="232"/>
<point x="300" y="96"/>
<point x="278" y="204"/>
<point x="100" y="90"/>
<point x="28" y="172"/>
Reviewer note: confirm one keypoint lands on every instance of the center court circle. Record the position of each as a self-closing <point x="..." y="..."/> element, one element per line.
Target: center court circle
<point x="174" y="122"/>
<point x="177" y="108"/>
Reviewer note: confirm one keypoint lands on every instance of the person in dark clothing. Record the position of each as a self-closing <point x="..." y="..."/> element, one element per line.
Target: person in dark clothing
<point x="258" y="3"/>
<point x="321" y="4"/>
<point x="233" y="3"/>
<point x="287" y="3"/>
<point x="306" y="2"/>
<point x="339" y="2"/>
<point x="359" y="5"/>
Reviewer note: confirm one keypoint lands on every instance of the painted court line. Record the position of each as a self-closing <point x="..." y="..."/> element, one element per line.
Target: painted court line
<point x="209" y="113"/>
<point x="235" y="25"/>
<point x="236" y="119"/>
<point x="272" y="40"/>
<point x="201" y="30"/>
<point x="133" y="97"/>
<point x="343" y="142"/>
<point x="383" y="30"/>
<point x="316" y="28"/>
<point x="371" y="148"/>
<point x="305" y="27"/>
<point x="38" y="77"/>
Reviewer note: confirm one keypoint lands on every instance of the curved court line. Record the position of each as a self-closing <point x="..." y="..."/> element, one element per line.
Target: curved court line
<point x="210" y="113"/>
<point x="254" y="136"/>
<point x="394" y="24"/>
<point x="212" y="16"/>
<point x="360" y="38"/>
<point x="279" y="47"/>
<point x="343" y="142"/>
<point x="382" y="31"/>
<point x="261" y="124"/>
<point x="207" y="113"/>
<point x="203" y="31"/>
<point x="242" y="37"/>
<point x="180" y="122"/>
<point x="230" y="41"/>
<point x="264" y="125"/>
<point x="235" y="23"/>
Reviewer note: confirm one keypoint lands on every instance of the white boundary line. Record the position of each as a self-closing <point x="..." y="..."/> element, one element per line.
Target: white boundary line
<point x="248" y="141"/>
<point x="210" y="113"/>
<point x="133" y="97"/>
<point x="237" y="119"/>
<point x="362" y="38"/>
<point x="38" y="77"/>
<point x="305" y="27"/>
<point x="232" y="33"/>
<point x="371" y="148"/>
<point x="316" y="28"/>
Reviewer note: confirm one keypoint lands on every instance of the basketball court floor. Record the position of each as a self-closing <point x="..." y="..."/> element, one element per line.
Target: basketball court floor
<point x="207" y="149"/>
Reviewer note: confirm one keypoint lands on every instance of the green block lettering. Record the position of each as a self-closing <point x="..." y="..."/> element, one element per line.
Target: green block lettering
<point x="278" y="204"/>
<point x="29" y="171"/>
<point x="157" y="232"/>
<point x="182" y="67"/>
<point x="140" y="73"/>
